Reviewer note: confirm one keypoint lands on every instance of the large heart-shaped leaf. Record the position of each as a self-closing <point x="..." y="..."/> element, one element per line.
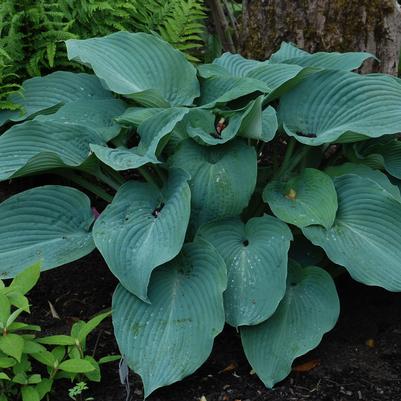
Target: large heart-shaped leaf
<point x="42" y="145"/>
<point x="152" y="131"/>
<point x="287" y="51"/>
<point x="309" y="309"/>
<point x="236" y="65"/>
<point x="364" y="171"/>
<point x="329" y="104"/>
<point x="97" y="114"/>
<point x="170" y="338"/>
<point x="332" y="61"/>
<point x="41" y="94"/>
<point x="50" y="223"/>
<point x="280" y="78"/>
<point x="289" y="54"/>
<point x="139" y="66"/>
<point x="211" y="70"/>
<point x="223" y="178"/>
<point x="269" y="124"/>
<point x="256" y="256"/>
<point x="143" y="228"/>
<point x="306" y="199"/>
<point x="382" y="153"/>
<point x="365" y="235"/>
<point x="135" y="116"/>
<point x="252" y="121"/>
<point x="223" y="89"/>
<point x="203" y="125"/>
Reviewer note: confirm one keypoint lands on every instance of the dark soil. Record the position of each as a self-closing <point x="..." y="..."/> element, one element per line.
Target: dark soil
<point x="348" y="368"/>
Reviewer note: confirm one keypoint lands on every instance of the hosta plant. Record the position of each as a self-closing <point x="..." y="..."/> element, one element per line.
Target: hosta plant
<point x="218" y="188"/>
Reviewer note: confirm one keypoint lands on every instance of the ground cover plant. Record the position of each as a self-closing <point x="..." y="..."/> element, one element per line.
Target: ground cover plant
<point x="213" y="193"/>
<point x="30" y="363"/>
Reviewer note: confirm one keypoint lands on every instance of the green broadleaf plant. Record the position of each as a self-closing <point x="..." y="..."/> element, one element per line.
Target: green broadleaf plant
<point x="29" y="364"/>
<point x="206" y="238"/>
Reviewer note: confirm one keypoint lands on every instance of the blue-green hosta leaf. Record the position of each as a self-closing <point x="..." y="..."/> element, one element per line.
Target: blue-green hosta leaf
<point x="41" y="94"/>
<point x="382" y="153"/>
<point x="201" y="124"/>
<point x="143" y="228"/>
<point x="309" y="309"/>
<point x="364" y="171"/>
<point x="211" y="70"/>
<point x="259" y="124"/>
<point x="256" y="256"/>
<point x="306" y="199"/>
<point x="332" y="61"/>
<point x="152" y="131"/>
<point x="139" y="66"/>
<point x="170" y="338"/>
<point x="251" y="124"/>
<point x="287" y="51"/>
<point x="269" y="124"/>
<point x="135" y="116"/>
<point x="236" y="65"/>
<point x="178" y="135"/>
<point x="223" y="178"/>
<point x="365" y="235"/>
<point x="329" y="104"/>
<point x="42" y="145"/>
<point x="50" y="223"/>
<point x="289" y="54"/>
<point x="280" y="78"/>
<point x="97" y="114"/>
<point x="222" y="89"/>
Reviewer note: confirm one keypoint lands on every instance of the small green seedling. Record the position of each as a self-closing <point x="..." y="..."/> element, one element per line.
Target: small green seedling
<point x="24" y="356"/>
<point x="78" y="390"/>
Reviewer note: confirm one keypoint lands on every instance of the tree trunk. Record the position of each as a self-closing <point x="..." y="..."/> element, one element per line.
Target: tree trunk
<point x="325" y="25"/>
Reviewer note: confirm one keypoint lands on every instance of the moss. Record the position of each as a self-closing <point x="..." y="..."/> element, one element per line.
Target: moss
<point x="342" y="30"/>
<point x="347" y="15"/>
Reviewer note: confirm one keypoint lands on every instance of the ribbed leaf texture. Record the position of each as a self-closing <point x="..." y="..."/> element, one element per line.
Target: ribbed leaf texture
<point x="364" y="237"/>
<point x="51" y="224"/>
<point x="170" y="338"/>
<point x="143" y="228"/>
<point x="255" y="254"/>
<point x="309" y="309"/>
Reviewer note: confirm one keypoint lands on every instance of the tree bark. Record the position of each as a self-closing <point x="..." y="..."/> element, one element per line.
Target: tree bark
<point x="325" y="25"/>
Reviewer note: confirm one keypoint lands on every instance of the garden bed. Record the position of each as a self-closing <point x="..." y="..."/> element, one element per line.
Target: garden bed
<point x="348" y="368"/>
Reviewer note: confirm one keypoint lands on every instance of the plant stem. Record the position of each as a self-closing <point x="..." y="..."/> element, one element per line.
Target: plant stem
<point x="114" y="174"/>
<point x="334" y="158"/>
<point x="160" y="173"/>
<point x="107" y="180"/>
<point x="298" y="158"/>
<point x="287" y="157"/>
<point x="82" y="182"/>
<point x="148" y="176"/>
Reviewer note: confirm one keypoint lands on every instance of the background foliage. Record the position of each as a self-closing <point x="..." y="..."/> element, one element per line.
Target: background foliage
<point x="32" y="32"/>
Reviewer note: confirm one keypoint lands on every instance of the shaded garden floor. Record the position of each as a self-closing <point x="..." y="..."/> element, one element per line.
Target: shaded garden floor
<point x="348" y="368"/>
